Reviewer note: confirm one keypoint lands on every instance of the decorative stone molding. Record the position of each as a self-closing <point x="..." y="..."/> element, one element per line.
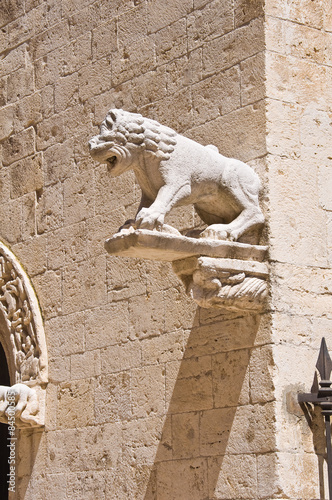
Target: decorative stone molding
<point x="215" y="273"/>
<point x="173" y="170"/>
<point x="23" y="340"/>
<point x="227" y="283"/>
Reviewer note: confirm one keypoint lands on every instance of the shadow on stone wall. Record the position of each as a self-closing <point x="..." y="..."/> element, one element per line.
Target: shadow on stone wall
<point x="28" y="443"/>
<point x="211" y="423"/>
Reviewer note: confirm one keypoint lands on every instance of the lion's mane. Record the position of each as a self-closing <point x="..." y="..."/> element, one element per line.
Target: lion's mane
<point x="133" y="131"/>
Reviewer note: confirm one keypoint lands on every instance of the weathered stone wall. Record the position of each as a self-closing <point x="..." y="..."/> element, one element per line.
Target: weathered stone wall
<point x="299" y="137"/>
<point x="150" y="396"/>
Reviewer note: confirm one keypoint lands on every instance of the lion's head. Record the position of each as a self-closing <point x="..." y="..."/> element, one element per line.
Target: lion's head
<point x="123" y="136"/>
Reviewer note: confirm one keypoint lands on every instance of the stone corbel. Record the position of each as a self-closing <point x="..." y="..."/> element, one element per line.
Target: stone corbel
<point x="223" y="274"/>
<point x="23" y="339"/>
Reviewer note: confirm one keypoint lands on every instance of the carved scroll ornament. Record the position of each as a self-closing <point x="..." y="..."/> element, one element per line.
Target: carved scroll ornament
<point x="23" y="340"/>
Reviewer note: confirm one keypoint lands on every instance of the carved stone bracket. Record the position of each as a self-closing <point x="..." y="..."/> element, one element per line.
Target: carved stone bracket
<point x="227" y="283"/>
<point x="215" y="273"/>
<point x="23" y="339"/>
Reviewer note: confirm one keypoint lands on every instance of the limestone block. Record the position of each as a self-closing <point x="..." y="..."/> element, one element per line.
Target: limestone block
<point x="243" y="134"/>
<point x="294" y="80"/>
<point x="205" y="340"/>
<point x="86" y="364"/>
<point x="171" y="42"/>
<point x="149" y="87"/>
<point x="89" y="485"/>
<point x="50" y="209"/>
<point x="81" y="287"/>
<point x="141" y="439"/>
<point x="207" y="101"/>
<point x="124" y="280"/>
<point x="78" y="202"/>
<point x="325" y="183"/>
<point x="233" y="47"/>
<point x="163" y="348"/>
<point x="179" y="311"/>
<point x="104" y="39"/>
<point x="262" y="375"/>
<point x="48" y="288"/>
<point x="247" y="429"/>
<point x="209" y="22"/>
<point x="26" y="175"/>
<point x="161" y="15"/>
<point x="310" y="290"/>
<point x="33" y="253"/>
<point x="28" y="210"/>
<point x="10" y="213"/>
<point x="268" y="480"/>
<point x="230" y="378"/>
<point x="186" y="478"/>
<point x="18" y="146"/>
<point x="183" y="71"/>
<point x="146" y="315"/>
<point x="284" y="120"/>
<point x="113" y="192"/>
<point x="132" y="26"/>
<point x="185" y="435"/>
<point x="50" y="131"/>
<point x="66" y="92"/>
<point x="233" y="477"/>
<point x="175" y="109"/>
<point x="75" y="406"/>
<point x="147" y="391"/>
<point x="133" y="61"/>
<point x="59" y="369"/>
<point x="305" y="243"/>
<point x="329" y="236"/>
<point x="138" y="482"/>
<point x="308" y="43"/>
<point x="3" y="91"/>
<point x="51" y="39"/>
<point x="81" y="15"/>
<point x="6" y="122"/>
<point x="58" y="340"/>
<point x="20" y="84"/>
<point x="66" y="245"/>
<point x="252" y="79"/>
<point x="327" y="22"/>
<point x="290" y="467"/>
<point x="189" y="385"/>
<point x="107" y="325"/>
<point x="116" y="358"/>
<point x="14" y="60"/>
<point x="112" y="397"/>
<point x="304" y="12"/>
<point x="32" y="109"/>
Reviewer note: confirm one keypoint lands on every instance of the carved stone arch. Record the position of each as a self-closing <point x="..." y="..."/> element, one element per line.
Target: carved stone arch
<point x="23" y="339"/>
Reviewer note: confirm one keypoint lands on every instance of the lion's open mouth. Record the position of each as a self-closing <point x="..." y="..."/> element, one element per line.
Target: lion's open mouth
<point x="111" y="161"/>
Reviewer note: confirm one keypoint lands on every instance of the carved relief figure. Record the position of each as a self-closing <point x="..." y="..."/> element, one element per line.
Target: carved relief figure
<point x="173" y="170"/>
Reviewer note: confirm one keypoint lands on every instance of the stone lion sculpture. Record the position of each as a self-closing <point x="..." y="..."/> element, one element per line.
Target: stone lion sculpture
<point x="173" y="170"/>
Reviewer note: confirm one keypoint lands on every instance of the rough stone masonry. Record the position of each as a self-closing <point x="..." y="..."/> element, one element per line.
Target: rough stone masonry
<point x="150" y="396"/>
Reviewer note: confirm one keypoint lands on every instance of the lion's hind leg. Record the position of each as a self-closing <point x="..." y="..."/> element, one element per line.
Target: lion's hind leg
<point x="248" y="218"/>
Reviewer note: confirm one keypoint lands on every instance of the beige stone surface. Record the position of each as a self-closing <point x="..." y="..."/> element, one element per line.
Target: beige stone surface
<point x="151" y="397"/>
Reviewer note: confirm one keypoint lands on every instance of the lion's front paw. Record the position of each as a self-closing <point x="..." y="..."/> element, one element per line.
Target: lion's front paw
<point x="215" y="232"/>
<point x="149" y="219"/>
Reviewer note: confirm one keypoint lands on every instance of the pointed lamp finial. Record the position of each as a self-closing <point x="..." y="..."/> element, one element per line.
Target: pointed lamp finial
<point x="324" y="362"/>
